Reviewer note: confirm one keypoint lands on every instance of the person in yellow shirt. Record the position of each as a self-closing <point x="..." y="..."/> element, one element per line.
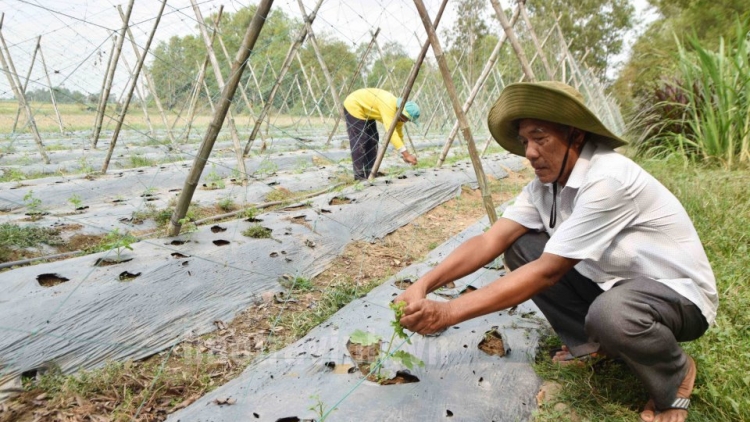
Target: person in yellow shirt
<point x="363" y="108"/>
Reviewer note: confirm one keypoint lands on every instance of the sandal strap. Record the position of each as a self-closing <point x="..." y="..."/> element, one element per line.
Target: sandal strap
<point x="680" y="403"/>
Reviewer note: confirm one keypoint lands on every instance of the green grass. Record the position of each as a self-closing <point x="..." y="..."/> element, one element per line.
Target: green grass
<point x="256" y="231"/>
<point x="14" y="237"/>
<point x="719" y="206"/>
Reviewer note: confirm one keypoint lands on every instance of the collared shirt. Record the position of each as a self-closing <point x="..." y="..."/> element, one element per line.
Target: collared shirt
<point x="376" y="104"/>
<point x="622" y="224"/>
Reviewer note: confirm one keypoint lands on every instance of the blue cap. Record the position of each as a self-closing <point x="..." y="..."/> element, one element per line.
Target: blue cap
<point x="411" y="110"/>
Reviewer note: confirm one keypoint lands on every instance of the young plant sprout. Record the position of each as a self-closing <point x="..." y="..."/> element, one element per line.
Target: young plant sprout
<point x="401" y="357"/>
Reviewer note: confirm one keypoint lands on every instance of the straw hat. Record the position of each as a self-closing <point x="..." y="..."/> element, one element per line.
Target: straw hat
<point x="550" y="101"/>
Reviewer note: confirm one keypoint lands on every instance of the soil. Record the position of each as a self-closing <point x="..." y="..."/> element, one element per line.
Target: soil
<point x="492" y="344"/>
<point x="227" y="351"/>
<point x="364" y="356"/>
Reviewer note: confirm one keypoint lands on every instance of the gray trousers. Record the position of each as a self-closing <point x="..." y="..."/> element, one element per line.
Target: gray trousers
<point x="640" y="321"/>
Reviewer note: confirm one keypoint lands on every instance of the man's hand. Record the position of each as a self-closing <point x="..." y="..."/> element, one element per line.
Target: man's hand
<point x="409" y="158"/>
<point x="427" y="316"/>
<point x="412" y="294"/>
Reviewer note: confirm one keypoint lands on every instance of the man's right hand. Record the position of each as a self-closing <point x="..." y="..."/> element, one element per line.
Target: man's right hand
<point x="409" y="158"/>
<point x="412" y="294"/>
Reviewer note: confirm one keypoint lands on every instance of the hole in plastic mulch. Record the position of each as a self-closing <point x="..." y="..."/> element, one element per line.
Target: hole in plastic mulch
<point x="218" y="229"/>
<point x="127" y="276"/>
<point x="221" y="242"/>
<point x="493" y="343"/>
<point x="178" y="255"/>
<point x="50" y="279"/>
<point x="103" y="262"/>
<point x="403" y="284"/>
<point x="340" y="200"/>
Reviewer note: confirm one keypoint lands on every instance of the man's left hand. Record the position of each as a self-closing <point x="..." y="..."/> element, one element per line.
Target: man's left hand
<point x="427" y="316"/>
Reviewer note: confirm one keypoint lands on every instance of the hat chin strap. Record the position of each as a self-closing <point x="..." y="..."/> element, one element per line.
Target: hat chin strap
<point x="553" y="211"/>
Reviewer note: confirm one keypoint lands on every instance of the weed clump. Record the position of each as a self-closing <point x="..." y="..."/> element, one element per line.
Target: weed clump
<point x="256" y="231"/>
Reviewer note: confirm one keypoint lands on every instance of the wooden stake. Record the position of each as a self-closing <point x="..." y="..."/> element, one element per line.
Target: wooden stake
<point x="465" y="130"/>
<point x="513" y="40"/>
<point x="51" y="91"/>
<point x="284" y="68"/>
<point x="149" y="83"/>
<point x="309" y="86"/>
<point x="26" y="82"/>
<point x="131" y="89"/>
<point x="204" y="152"/>
<point x="539" y="50"/>
<point x="334" y="95"/>
<point x="200" y="82"/>
<point x="220" y="79"/>
<point x="104" y="98"/>
<point x="141" y="97"/>
<point x="15" y="85"/>
<point x="405" y="95"/>
<point x="478" y="86"/>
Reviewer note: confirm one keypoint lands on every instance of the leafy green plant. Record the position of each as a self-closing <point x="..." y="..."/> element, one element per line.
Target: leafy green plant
<point x="76" y="201"/>
<point x="226" y="204"/>
<point x="267" y="168"/>
<point x="256" y="231"/>
<point x="12" y="175"/>
<point x="33" y="205"/>
<point x="297" y="283"/>
<point x="214" y="180"/>
<point x="705" y="113"/>
<point x="319" y="408"/>
<point x="400" y="356"/>
<point x="118" y="241"/>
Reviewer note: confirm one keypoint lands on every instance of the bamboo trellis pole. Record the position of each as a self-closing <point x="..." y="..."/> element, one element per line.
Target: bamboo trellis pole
<point x="51" y="91"/>
<point x="149" y="83"/>
<point x="513" y="40"/>
<point x="142" y="99"/>
<point x="465" y="130"/>
<point x="240" y="62"/>
<point x="104" y="97"/>
<point x="131" y="89"/>
<point x="284" y="68"/>
<point x="220" y="79"/>
<point x="229" y="61"/>
<point x="324" y="68"/>
<point x="26" y="82"/>
<point x="199" y="83"/>
<point x="349" y="86"/>
<point x="534" y="39"/>
<point x="309" y="86"/>
<point x="478" y="86"/>
<point x="15" y="85"/>
<point x="405" y="95"/>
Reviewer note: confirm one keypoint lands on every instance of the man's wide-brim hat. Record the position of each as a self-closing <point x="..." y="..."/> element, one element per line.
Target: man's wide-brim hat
<point x="550" y="101"/>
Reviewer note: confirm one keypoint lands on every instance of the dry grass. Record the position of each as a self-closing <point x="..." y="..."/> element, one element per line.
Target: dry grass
<point x="172" y="380"/>
<point x="78" y="117"/>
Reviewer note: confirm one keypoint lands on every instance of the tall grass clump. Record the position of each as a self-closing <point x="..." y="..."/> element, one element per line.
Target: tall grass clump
<point x="704" y="113"/>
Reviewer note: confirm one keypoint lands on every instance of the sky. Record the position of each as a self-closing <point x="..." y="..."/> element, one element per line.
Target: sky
<point x="76" y="35"/>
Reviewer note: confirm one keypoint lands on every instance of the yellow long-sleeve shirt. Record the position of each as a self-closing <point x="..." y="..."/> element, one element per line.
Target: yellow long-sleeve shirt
<point x="376" y="104"/>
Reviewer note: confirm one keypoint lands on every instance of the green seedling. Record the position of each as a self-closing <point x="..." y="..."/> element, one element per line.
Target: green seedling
<point x="33" y="205"/>
<point x="214" y="181"/>
<point x="226" y="204"/>
<point x="401" y="357"/>
<point x="319" y="408"/>
<point x="118" y="241"/>
<point x="76" y="201"/>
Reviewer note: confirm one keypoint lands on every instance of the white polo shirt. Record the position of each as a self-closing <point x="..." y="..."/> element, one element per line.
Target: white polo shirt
<point x="622" y="224"/>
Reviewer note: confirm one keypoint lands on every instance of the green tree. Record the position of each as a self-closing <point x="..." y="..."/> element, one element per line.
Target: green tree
<point x="594" y="26"/>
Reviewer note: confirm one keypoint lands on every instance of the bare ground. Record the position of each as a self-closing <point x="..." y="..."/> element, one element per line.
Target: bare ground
<point x="150" y="389"/>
